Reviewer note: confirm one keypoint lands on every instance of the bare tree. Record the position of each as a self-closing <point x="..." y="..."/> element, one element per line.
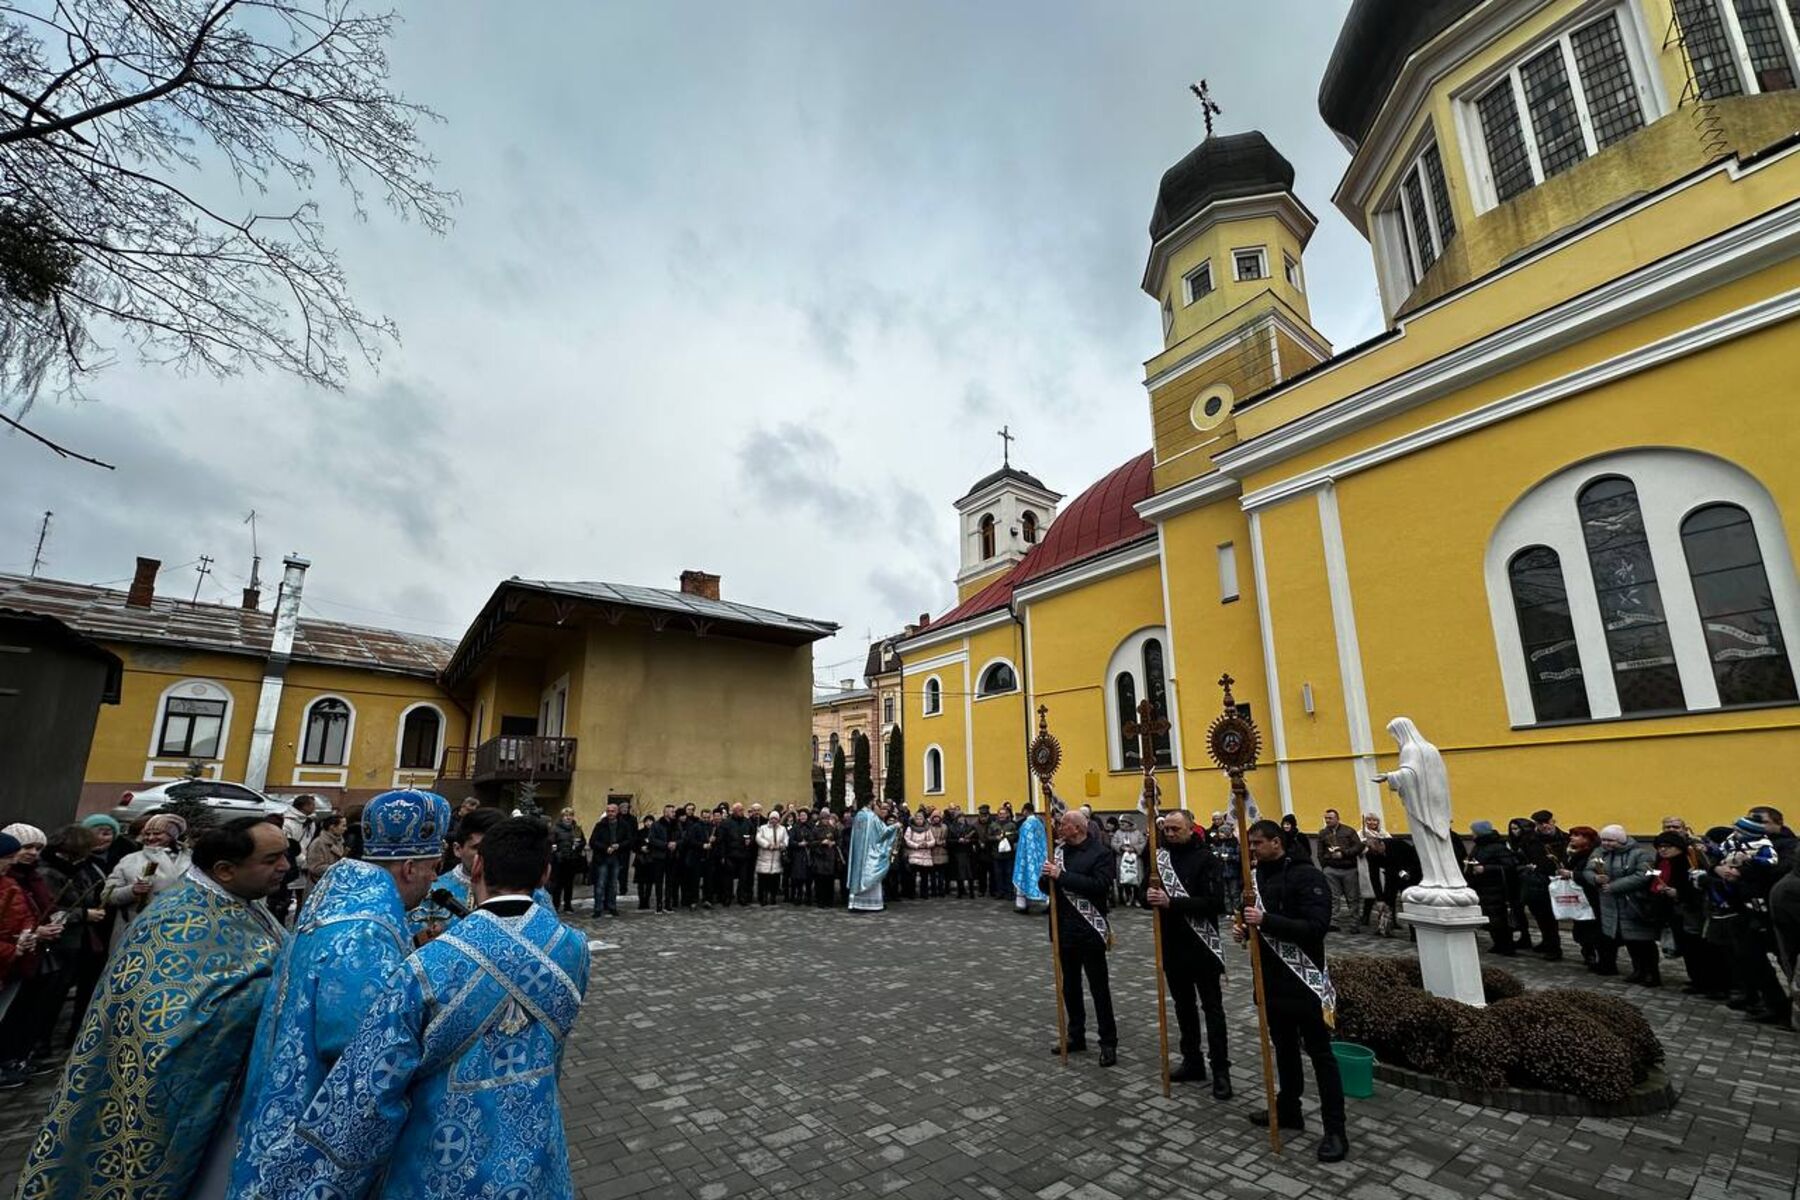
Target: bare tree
<point x="112" y="112"/>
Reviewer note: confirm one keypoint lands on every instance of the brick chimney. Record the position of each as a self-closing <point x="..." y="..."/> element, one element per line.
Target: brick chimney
<point x="924" y="620"/>
<point x="252" y="598"/>
<point x="143" y="584"/>
<point x="699" y="583"/>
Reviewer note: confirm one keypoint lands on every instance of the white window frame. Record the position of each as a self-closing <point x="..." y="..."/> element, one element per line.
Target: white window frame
<point x="1128" y="659"/>
<point x="1639" y="59"/>
<point x="443" y="737"/>
<point x="300" y="763"/>
<point x="1228" y="573"/>
<point x="156" y="766"/>
<point x="1187" y="282"/>
<point x="1290" y="270"/>
<point x="1397" y="210"/>
<point x="1671" y="484"/>
<point x="933" y="684"/>
<point x="1261" y="254"/>
<point x="942" y="775"/>
<point x="989" y="665"/>
<point x="1740" y="49"/>
<point x="1168" y="317"/>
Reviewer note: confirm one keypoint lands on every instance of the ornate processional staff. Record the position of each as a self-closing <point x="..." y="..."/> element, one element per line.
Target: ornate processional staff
<point x="1045" y="756"/>
<point x="1146" y="729"/>
<point x="1233" y="742"/>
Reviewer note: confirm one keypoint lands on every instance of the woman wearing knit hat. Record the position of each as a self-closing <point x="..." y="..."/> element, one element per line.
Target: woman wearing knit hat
<point x="40" y="982"/>
<point x="144" y="874"/>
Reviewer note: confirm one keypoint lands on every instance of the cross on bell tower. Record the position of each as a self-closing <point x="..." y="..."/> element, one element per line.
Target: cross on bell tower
<point x="1208" y="107"/>
<point x="1006" y="440"/>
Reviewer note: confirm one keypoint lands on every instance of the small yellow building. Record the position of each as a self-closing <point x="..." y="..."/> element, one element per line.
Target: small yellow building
<point x="1548" y="513"/>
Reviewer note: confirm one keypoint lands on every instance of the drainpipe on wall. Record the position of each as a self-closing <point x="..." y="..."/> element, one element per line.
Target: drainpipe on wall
<point x="281" y="646"/>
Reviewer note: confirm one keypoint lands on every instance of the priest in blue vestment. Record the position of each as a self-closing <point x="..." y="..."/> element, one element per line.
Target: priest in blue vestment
<point x="433" y="918"/>
<point x="449" y="1088"/>
<point x="1028" y="863"/>
<point x="351" y="936"/>
<point x="871" y="853"/>
<point x="152" y="1083"/>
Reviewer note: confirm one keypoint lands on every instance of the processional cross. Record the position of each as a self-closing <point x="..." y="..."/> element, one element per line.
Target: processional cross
<point x="1208" y="108"/>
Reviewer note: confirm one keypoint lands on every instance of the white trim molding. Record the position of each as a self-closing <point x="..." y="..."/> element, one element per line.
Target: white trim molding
<point x="1128" y="659"/>
<point x="1284" y="206"/>
<point x="300" y="742"/>
<point x="1269" y="319"/>
<point x="931" y="664"/>
<point x="437" y="759"/>
<point x="925" y="769"/>
<point x="1277" y="730"/>
<point x="195" y="689"/>
<point x="1169" y="675"/>
<point x="1201" y="490"/>
<point x="968" y="730"/>
<point x="926" y="693"/>
<point x="1113" y="562"/>
<point x="1771" y="311"/>
<point x="1349" y="650"/>
<point x="938" y="634"/>
<point x="990" y="664"/>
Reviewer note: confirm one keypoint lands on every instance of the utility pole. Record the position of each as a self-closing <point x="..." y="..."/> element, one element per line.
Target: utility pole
<point x="203" y="570"/>
<point x="37" y="556"/>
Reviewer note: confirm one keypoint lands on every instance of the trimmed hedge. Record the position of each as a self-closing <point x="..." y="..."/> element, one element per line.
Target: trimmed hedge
<point x="1560" y="1039"/>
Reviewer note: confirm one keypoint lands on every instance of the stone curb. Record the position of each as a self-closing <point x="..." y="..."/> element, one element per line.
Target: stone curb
<point x="1656" y="1094"/>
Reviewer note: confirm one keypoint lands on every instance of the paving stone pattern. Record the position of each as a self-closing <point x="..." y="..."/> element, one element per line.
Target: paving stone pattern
<point x="813" y="1055"/>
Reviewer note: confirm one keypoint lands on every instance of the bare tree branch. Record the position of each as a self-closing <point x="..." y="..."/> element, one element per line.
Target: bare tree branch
<point x="57" y="448"/>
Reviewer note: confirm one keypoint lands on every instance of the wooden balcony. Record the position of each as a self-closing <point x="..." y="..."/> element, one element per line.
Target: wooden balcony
<point x="511" y="758"/>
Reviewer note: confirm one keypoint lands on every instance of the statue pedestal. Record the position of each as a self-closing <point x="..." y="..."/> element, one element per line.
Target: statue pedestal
<point x="1448" y="958"/>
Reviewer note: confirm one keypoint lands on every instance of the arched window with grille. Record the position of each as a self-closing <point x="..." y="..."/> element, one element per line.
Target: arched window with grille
<point x="1028" y="527"/>
<point x="1156" y="690"/>
<point x="1125" y="689"/>
<point x="1737" y="607"/>
<point x="1541" y="600"/>
<point x="1631" y="604"/>
<point x="326" y="742"/>
<point x="421" y="734"/>
<point x="987" y="536"/>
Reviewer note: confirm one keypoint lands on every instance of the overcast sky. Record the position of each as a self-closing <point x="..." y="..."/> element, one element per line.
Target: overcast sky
<point x="739" y="287"/>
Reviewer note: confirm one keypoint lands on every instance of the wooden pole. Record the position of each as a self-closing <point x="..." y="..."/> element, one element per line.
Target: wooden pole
<point x="1240" y="806"/>
<point x="1062" y="1016"/>
<point x="1153" y="879"/>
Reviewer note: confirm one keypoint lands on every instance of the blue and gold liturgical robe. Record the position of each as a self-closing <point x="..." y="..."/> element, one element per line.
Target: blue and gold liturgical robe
<point x="155" y="1069"/>
<point x="352" y="935"/>
<point x="871" y="853"/>
<point x="449" y="1088"/>
<point x="456" y="882"/>
<point x="1028" y="860"/>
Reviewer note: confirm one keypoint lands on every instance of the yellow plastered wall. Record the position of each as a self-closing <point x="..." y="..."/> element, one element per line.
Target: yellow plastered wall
<point x="1215" y="246"/>
<point x="378" y="700"/>
<point x="998" y="722"/>
<point x="1073" y="636"/>
<point x="125" y="734"/>
<point x="944" y="729"/>
<point x="1213" y="638"/>
<point x="673" y="719"/>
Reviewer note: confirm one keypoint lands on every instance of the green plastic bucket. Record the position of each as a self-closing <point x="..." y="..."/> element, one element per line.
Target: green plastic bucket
<point x="1356" y="1065"/>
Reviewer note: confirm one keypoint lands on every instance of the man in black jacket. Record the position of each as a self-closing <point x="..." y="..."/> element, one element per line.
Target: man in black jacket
<point x="1083" y="879"/>
<point x="656" y="863"/>
<point x="1188" y="907"/>
<point x="608" y="844"/>
<point x="1293" y="912"/>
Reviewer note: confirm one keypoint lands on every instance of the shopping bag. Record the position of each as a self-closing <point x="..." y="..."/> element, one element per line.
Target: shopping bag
<point x="1568" y="901"/>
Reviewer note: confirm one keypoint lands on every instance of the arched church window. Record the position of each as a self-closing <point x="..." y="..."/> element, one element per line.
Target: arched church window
<point x="934" y="697"/>
<point x="327" y="733"/>
<point x="1028" y="527"/>
<point x="1552" y="661"/>
<point x="1125" y="688"/>
<point x="998" y="679"/>
<point x="1737" y="607"/>
<point x="1156" y="690"/>
<point x="419" y="739"/>
<point x="987" y="536"/>
<point x="1631" y="606"/>
<point x="934" y="771"/>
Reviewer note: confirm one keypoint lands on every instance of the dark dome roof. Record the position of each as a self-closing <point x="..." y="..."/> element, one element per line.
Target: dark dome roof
<point x="1377" y="38"/>
<point x="1008" y="472"/>
<point x="1221" y="167"/>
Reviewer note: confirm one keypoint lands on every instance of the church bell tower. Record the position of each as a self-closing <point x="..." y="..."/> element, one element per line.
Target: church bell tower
<point x="1003" y="516"/>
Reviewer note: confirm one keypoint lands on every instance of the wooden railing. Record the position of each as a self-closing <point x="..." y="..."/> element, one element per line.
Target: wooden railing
<point x="511" y="757"/>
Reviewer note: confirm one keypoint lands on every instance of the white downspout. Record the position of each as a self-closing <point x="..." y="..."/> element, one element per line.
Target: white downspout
<point x="281" y="646"/>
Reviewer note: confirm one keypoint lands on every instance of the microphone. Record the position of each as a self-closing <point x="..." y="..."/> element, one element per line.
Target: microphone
<point x="443" y="898"/>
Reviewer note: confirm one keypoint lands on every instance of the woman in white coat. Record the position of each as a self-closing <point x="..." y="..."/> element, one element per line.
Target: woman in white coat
<point x="771" y="845"/>
<point x="144" y="874"/>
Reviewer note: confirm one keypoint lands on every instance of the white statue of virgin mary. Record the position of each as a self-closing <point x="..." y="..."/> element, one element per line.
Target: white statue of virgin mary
<point x="1424" y="788"/>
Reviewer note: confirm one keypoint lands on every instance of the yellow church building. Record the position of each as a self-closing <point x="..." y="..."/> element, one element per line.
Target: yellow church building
<point x="1548" y="513"/>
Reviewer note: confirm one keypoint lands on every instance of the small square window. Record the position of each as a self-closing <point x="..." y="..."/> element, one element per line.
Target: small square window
<point x="1228" y="576"/>
<point x="1290" y="266"/>
<point x="1250" y="264"/>
<point x="1199" y="282"/>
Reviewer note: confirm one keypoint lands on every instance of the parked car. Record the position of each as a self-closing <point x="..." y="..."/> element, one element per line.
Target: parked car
<point x="228" y="799"/>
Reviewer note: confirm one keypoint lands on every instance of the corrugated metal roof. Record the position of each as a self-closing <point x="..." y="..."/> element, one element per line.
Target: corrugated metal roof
<point x="666" y="600"/>
<point x="102" y="614"/>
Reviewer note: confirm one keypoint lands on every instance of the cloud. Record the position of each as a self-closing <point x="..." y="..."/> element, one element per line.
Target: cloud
<point x="790" y="466"/>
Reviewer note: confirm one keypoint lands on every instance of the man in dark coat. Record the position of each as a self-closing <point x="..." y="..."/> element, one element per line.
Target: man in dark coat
<point x="608" y="844"/>
<point x="737" y="843"/>
<point x="960" y="834"/>
<point x="1492" y="869"/>
<point x="983" y="852"/>
<point x="696" y="847"/>
<point x="1188" y="907"/>
<point x="1083" y="881"/>
<point x="656" y="856"/>
<point x="1293" y="912"/>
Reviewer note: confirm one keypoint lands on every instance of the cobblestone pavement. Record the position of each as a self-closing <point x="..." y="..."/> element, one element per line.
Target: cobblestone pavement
<point x="812" y="1055"/>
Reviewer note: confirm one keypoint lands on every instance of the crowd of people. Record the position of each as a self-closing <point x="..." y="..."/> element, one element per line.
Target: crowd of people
<point x="214" y="1051"/>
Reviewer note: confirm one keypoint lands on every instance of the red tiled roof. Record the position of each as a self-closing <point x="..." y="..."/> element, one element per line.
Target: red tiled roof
<point x="1102" y="518"/>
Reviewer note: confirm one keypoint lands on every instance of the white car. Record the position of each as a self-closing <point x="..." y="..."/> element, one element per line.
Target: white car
<point x="227" y="799"/>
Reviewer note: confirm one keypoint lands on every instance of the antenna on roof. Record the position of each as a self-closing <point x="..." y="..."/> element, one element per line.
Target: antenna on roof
<point x="1208" y="108"/>
<point x="37" y="556"/>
